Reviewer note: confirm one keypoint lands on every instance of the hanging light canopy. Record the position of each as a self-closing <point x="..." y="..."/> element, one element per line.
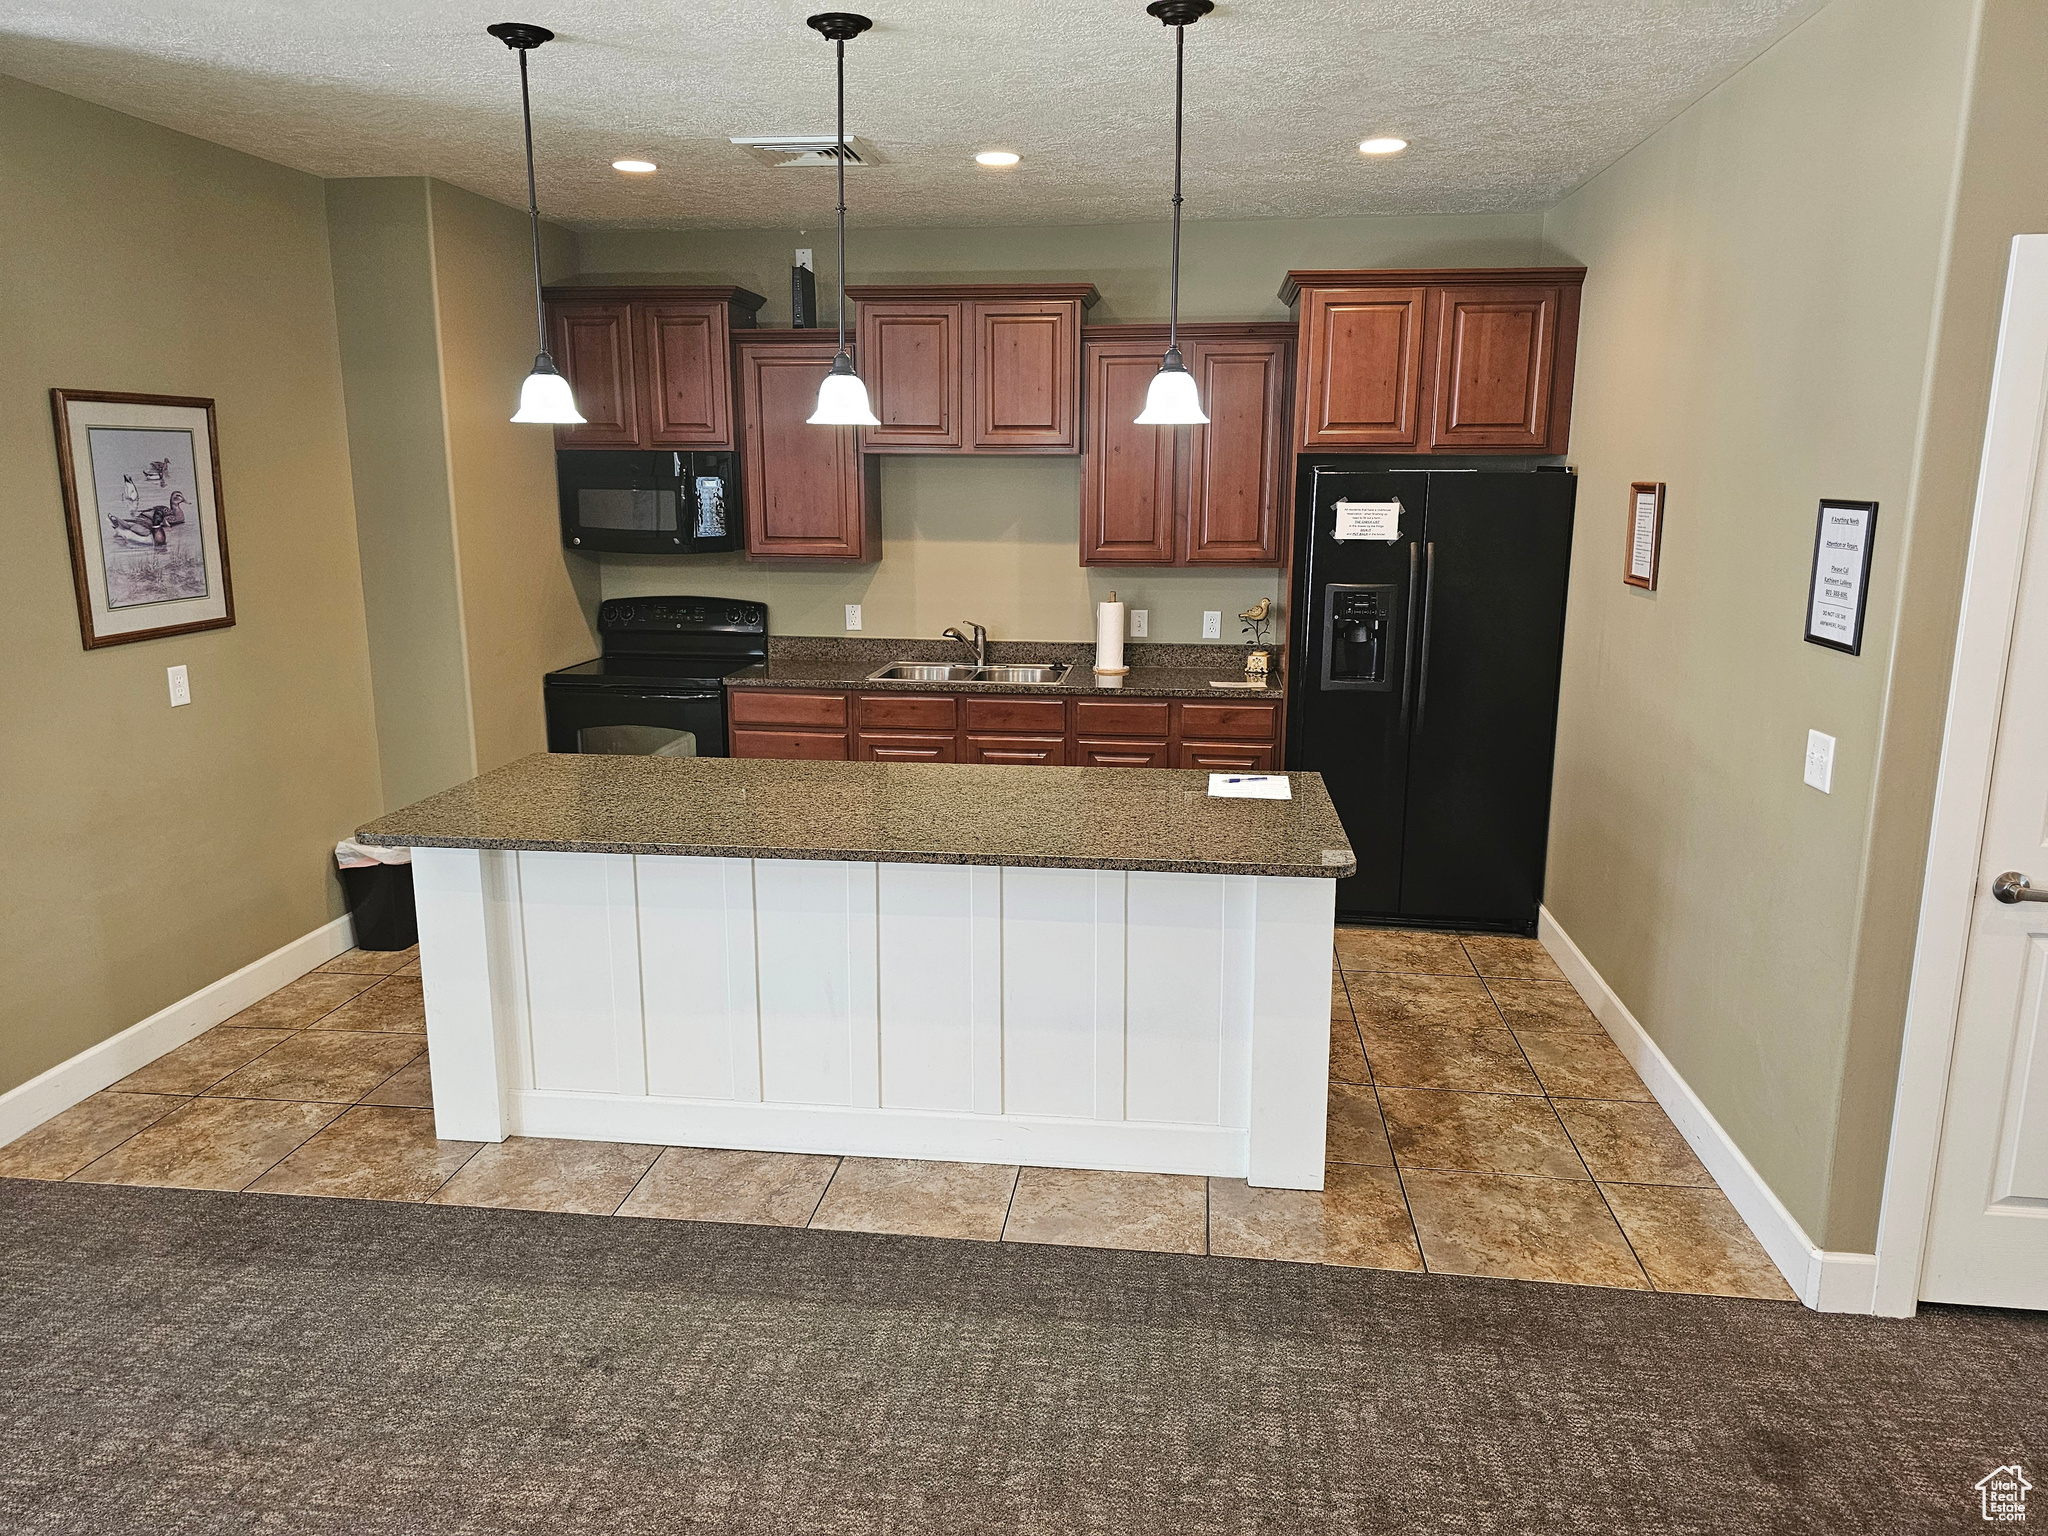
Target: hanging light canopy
<point x="842" y="398"/>
<point x="1173" y="400"/>
<point x="545" y="396"/>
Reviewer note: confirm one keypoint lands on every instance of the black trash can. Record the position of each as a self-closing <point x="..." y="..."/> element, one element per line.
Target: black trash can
<point x="380" y="905"/>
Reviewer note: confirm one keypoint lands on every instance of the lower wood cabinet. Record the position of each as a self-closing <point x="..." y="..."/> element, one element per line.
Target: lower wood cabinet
<point x="1222" y="736"/>
<point x="1016" y="751"/>
<point x="1226" y="756"/>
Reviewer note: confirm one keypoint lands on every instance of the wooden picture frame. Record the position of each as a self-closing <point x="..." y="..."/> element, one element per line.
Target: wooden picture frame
<point x="1838" y="591"/>
<point x="149" y="543"/>
<point x="1645" y="548"/>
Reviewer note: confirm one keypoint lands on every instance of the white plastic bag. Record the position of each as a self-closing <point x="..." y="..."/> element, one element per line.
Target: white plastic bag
<point x="361" y="855"/>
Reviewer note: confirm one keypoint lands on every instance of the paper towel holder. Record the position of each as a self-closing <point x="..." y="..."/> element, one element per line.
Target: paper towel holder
<point x="1099" y="669"/>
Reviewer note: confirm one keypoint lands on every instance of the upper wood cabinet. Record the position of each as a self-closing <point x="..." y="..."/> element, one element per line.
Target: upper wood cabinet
<point x="973" y="368"/>
<point x="1198" y="495"/>
<point x="651" y="367"/>
<point x="808" y="492"/>
<point x="1452" y="360"/>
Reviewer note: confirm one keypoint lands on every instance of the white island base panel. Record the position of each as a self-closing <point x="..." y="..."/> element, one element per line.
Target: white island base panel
<point x="1148" y="1022"/>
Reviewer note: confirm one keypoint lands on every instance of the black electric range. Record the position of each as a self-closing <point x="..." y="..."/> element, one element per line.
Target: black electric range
<point x="658" y="689"/>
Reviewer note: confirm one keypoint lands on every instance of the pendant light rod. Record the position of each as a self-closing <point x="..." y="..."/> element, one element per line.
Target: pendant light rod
<point x="1180" y="49"/>
<point x="839" y="26"/>
<point x="522" y="38"/>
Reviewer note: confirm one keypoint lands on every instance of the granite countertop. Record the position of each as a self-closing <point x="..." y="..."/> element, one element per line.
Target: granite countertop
<point x="1157" y="671"/>
<point x="897" y="813"/>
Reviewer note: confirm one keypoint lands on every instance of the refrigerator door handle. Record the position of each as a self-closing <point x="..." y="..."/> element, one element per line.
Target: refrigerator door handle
<point x="1408" y="645"/>
<point x="1428" y="607"/>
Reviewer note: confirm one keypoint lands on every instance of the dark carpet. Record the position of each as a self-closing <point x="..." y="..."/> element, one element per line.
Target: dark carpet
<point x="174" y="1361"/>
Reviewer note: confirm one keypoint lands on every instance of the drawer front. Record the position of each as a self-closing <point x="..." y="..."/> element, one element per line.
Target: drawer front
<point x="1235" y="722"/>
<point x="1036" y="717"/>
<point x="1225" y="756"/>
<point x="1095" y="717"/>
<point x="904" y="747"/>
<point x="1037" y="751"/>
<point x="1125" y="752"/>
<point x="809" y="746"/>
<point x="776" y="706"/>
<point x="907" y="712"/>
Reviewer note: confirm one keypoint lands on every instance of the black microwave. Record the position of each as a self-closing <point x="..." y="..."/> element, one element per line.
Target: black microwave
<point x="660" y="503"/>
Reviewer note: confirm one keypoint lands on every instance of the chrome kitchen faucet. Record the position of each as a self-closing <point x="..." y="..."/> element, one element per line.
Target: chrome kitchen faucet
<point x="979" y="642"/>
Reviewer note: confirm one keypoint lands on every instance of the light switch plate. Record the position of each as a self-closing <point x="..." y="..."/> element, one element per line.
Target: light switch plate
<point x="853" y="615"/>
<point x="1212" y="624"/>
<point x="181" y="686"/>
<point x="1820" y="761"/>
<point x="1141" y="623"/>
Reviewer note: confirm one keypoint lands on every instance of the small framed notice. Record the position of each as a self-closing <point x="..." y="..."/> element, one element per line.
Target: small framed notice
<point x="1842" y="546"/>
<point x="1645" y="533"/>
<point x="1368" y="520"/>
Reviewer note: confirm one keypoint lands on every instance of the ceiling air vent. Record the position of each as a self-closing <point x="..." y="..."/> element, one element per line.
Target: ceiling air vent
<point x="808" y="150"/>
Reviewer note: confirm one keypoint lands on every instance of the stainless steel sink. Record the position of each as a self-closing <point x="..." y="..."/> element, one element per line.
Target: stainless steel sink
<point x="1056" y="673"/>
<point x="1042" y="675"/>
<point x="923" y="672"/>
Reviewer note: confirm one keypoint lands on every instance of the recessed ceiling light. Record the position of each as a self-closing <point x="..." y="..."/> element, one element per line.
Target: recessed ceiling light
<point x="997" y="157"/>
<point x="635" y="167"/>
<point x="1382" y="146"/>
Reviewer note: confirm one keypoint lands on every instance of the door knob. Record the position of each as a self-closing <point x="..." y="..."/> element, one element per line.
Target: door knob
<point x="2012" y="886"/>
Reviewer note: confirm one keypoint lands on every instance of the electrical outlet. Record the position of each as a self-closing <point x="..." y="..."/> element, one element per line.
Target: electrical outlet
<point x="803" y="257"/>
<point x="1141" y="623"/>
<point x="1212" y="624"/>
<point x="181" y="686"/>
<point x="1820" y="761"/>
<point x="853" y="615"/>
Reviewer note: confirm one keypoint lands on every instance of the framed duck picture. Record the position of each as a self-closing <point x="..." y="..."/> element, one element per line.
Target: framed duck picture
<point x="149" y="546"/>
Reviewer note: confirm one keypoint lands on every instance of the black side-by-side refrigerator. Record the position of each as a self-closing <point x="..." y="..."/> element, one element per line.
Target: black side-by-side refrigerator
<point x="1424" y="681"/>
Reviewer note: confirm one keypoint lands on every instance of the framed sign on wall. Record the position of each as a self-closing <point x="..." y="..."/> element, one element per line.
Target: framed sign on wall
<point x="1645" y="534"/>
<point x="1843" y="541"/>
<point x="141" y="480"/>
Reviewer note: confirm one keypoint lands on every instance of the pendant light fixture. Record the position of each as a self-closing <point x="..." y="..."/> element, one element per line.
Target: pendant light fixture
<point x="1172" y="400"/>
<point x="842" y="398"/>
<point x="545" y="396"/>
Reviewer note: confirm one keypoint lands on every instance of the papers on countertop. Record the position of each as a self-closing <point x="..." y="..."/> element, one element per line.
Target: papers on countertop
<point x="1249" y="786"/>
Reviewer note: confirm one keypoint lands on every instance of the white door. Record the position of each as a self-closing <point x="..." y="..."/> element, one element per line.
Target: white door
<point x="1987" y="1240"/>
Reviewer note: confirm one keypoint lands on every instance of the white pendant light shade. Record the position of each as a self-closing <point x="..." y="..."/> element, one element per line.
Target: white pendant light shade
<point x="842" y="398"/>
<point x="1172" y="400"/>
<point x="546" y="396"/>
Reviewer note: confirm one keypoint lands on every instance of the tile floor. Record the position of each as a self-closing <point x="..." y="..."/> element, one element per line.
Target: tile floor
<point x="1481" y="1123"/>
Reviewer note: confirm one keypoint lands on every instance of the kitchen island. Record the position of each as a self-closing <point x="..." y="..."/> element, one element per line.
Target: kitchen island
<point x="1076" y="967"/>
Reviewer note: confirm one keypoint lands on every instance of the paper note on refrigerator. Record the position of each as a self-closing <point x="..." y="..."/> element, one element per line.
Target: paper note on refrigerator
<point x="1369" y="520"/>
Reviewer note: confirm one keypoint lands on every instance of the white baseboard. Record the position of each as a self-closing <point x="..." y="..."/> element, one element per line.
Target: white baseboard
<point x="24" y="1108"/>
<point x="1827" y="1282"/>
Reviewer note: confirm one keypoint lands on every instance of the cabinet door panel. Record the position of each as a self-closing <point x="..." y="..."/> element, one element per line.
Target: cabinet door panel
<point x="808" y="746"/>
<point x="806" y="492"/>
<point x="1032" y="716"/>
<point x="907" y="712"/>
<point x="1237" y="464"/>
<point x="1247" y="722"/>
<point x="592" y="342"/>
<point x="1127" y="471"/>
<point x="1026" y="375"/>
<point x="1114" y="752"/>
<point x="1096" y="717"/>
<point x="1036" y="751"/>
<point x="774" y="706"/>
<point x="1495" y="365"/>
<point x="1224" y="756"/>
<point x="1361" y="367"/>
<point x="905" y="747"/>
<point x="910" y="360"/>
<point x="687" y="345"/>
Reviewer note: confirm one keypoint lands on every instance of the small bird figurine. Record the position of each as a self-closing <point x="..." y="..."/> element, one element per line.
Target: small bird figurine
<point x="1255" y="618"/>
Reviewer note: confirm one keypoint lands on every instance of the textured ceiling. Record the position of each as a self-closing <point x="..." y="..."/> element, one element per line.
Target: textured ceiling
<point x="1508" y="103"/>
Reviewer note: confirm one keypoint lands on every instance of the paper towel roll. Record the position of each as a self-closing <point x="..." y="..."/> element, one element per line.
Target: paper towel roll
<point x="1109" y="636"/>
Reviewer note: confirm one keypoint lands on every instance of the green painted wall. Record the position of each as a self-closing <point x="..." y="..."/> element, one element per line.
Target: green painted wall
<point x="151" y="851"/>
